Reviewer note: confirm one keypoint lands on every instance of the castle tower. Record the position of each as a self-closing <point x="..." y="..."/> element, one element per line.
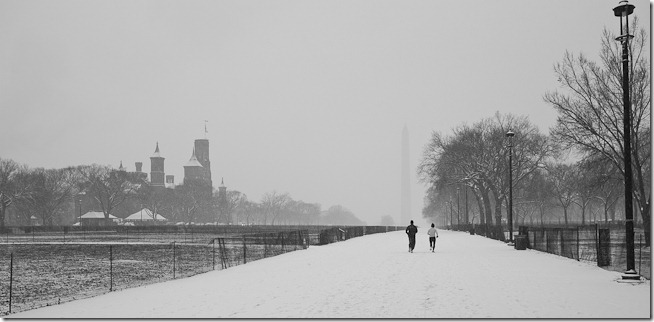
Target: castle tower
<point x="157" y="174"/>
<point x="193" y="170"/>
<point x="222" y="202"/>
<point x="405" y="210"/>
<point x="202" y="155"/>
<point x="170" y="181"/>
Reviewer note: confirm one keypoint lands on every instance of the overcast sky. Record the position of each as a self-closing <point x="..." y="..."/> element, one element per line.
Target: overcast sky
<point x="301" y="96"/>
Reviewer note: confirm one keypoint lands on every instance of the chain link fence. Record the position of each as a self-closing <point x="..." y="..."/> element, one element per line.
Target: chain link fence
<point x="604" y="245"/>
<point x="42" y="266"/>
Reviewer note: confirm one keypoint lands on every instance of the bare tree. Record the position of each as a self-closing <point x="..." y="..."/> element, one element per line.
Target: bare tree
<point x="339" y="215"/>
<point x="108" y="187"/>
<point x="537" y="190"/>
<point x="11" y="187"/>
<point x="591" y="111"/>
<point x="563" y="178"/>
<point x="51" y="193"/>
<point x="273" y="205"/>
<point x="477" y="156"/>
<point x="233" y="202"/>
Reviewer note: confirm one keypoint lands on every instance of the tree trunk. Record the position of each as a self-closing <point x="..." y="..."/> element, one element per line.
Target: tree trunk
<point x="645" y="214"/>
<point x="487" y="208"/>
<point x="3" y="211"/>
<point x="612" y="209"/>
<point x="480" y="205"/>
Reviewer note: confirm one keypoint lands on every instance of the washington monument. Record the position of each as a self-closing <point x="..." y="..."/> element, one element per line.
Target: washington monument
<point x="405" y="210"/>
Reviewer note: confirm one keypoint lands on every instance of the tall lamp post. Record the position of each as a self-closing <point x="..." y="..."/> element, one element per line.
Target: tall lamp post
<point x="510" y="135"/>
<point x="467" y="219"/>
<point x="623" y="11"/>
<point x="79" y="199"/>
<point x="458" y="210"/>
<point x="451" y="217"/>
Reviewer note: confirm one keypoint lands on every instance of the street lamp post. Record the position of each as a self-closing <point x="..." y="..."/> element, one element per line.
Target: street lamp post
<point x="79" y="198"/>
<point x="467" y="219"/>
<point x="458" y="209"/>
<point x="510" y="135"/>
<point x="451" y="215"/>
<point x="623" y="11"/>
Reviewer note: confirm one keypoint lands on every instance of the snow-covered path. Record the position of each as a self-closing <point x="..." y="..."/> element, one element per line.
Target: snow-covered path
<point x="375" y="277"/>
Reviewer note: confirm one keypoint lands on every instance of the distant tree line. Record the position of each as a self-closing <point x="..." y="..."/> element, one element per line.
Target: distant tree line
<point x="58" y="197"/>
<point x="547" y="188"/>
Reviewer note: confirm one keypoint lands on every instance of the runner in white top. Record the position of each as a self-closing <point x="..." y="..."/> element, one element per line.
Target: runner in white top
<point x="432" y="237"/>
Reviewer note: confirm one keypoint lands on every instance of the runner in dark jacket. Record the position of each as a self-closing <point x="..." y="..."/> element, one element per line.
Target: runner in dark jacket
<point x="411" y="231"/>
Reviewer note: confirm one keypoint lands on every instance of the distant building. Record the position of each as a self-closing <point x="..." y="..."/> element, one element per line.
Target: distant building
<point x="405" y="207"/>
<point x="170" y="181"/>
<point x="222" y="203"/>
<point x="157" y="169"/>
<point x="139" y="167"/>
<point x="193" y="170"/>
<point x="202" y="155"/>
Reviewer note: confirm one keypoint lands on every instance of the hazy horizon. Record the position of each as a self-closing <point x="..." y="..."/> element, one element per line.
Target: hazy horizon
<point x="301" y="97"/>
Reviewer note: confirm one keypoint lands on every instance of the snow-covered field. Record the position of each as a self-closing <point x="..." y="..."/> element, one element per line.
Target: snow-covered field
<point x="375" y="277"/>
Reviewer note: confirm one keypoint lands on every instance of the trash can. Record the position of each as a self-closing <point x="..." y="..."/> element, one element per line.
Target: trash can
<point x="521" y="242"/>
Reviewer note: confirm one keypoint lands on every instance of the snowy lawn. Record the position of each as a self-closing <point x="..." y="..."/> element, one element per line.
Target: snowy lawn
<point x="375" y="277"/>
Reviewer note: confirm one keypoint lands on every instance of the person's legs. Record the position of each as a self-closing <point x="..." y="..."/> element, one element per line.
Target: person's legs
<point x="432" y="243"/>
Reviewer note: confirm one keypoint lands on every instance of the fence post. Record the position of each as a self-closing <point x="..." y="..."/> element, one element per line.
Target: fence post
<point x="283" y="248"/>
<point x="562" y="241"/>
<point x="604" y="247"/>
<point x="111" y="268"/>
<point x="640" y="251"/>
<point x="173" y="260"/>
<point x="244" y="251"/>
<point x="265" y="245"/>
<point x="213" y="254"/>
<point x="221" y="243"/>
<point x="578" y="255"/>
<point x="11" y="278"/>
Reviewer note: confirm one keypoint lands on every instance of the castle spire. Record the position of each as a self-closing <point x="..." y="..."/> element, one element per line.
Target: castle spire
<point x="156" y="153"/>
<point x="193" y="162"/>
<point x="157" y="174"/>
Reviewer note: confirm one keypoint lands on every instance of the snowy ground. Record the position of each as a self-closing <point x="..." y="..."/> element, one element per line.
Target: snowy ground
<point x="375" y="277"/>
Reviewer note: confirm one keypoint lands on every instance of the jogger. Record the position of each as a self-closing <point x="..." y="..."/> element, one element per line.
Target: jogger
<point x="432" y="237"/>
<point x="411" y="231"/>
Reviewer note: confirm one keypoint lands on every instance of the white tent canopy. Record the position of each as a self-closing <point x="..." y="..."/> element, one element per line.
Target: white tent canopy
<point x="144" y="214"/>
<point x="97" y="215"/>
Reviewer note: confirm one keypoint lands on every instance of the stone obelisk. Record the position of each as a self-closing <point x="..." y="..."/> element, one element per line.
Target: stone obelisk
<point x="405" y="210"/>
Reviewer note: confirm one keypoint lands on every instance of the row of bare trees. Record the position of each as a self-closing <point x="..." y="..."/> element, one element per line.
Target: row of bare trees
<point x="475" y="157"/>
<point x="52" y="195"/>
<point x="280" y="209"/>
<point x="579" y="166"/>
